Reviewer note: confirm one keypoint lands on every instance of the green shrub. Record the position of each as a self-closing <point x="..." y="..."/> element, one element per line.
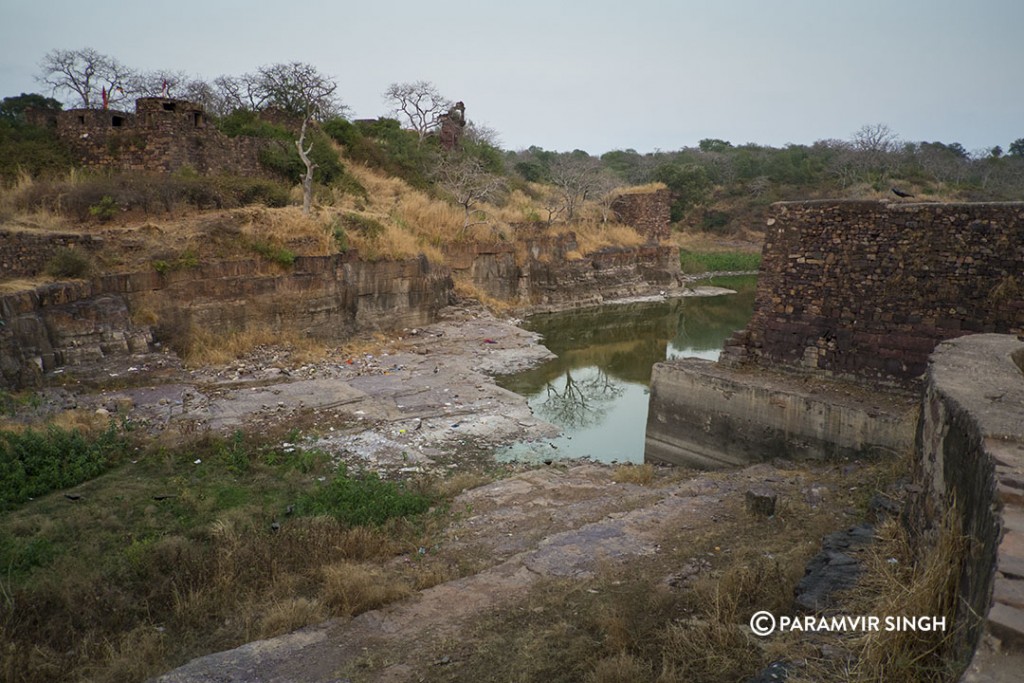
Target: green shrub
<point x="185" y="260"/>
<point x="30" y="149"/>
<point x="241" y="122"/>
<point x="69" y="262"/>
<point x="337" y="231"/>
<point x="362" y="500"/>
<point x="105" y="209"/>
<point x="278" y="255"/>
<point x="33" y="463"/>
<point x="370" y="227"/>
<point x="715" y="221"/>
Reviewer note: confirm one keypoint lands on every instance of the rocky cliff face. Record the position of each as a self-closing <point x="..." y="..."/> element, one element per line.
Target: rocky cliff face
<point x="328" y="298"/>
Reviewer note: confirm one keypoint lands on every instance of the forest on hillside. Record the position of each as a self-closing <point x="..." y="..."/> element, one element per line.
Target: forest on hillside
<point x="717" y="187"/>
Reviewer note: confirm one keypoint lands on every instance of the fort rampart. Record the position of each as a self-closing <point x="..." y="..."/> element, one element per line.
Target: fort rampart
<point x="867" y="289"/>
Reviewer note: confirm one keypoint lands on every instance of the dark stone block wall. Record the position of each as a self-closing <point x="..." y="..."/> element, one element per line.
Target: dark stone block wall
<point x="867" y="289"/>
<point x="25" y="254"/>
<point x="164" y="135"/>
<point x="648" y="212"/>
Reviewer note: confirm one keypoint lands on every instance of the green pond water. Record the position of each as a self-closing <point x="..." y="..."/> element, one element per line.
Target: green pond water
<point x="597" y="388"/>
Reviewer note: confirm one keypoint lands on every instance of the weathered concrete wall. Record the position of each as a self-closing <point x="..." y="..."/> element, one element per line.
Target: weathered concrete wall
<point x="970" y="459"/>
<point x="704" y="415"/>
<point x="867" y="289"/>
<point x="25" y="254"/>
<point x="326" y="298"/>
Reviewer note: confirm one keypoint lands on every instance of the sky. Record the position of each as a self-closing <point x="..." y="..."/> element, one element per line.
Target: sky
<point x="599" y="75"/>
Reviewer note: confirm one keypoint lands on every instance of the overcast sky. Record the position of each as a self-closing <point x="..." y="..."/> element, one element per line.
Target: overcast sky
<point x="597" y="75"/>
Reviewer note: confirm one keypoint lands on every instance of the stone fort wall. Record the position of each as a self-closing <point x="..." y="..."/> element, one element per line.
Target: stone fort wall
<point x="648" y="212"/>
<point x="868" y="289"/>
<point x="163" y="135"/>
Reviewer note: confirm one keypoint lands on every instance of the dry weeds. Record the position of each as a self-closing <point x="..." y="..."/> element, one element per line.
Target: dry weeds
<point x="202" y="347"/>
<point x="642" y="475"/>
<point x="351" y="588"/>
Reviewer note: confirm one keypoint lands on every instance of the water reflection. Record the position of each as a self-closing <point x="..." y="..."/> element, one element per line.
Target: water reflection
<point x="596" y="389"/>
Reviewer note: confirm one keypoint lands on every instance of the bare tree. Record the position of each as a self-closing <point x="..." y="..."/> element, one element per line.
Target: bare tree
<point x="469" y="183"/>
<point x="581" y="401"/>
<point x="876" y="137"/>
<point x="243" y="92"/>
<point x="180" y="85"/>
<point x="84" y="74"/>
<point x="577" y="177"/>
<point x="307" y="180"/>
<point x="297" y="88"/>
<point x="300" y="89"/>
<point x="419" y="103"/>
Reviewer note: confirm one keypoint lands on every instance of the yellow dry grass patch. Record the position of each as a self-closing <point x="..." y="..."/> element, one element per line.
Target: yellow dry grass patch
<point x="641" y="189"/>
<point x="21" y="284"/>
<point x="206" y="348"/>
<point x="469" y="290"/>
<point x="351" y="588"/>
<point x="593" y="236"/>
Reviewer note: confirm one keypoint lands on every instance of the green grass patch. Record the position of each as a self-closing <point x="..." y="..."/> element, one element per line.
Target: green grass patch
<point x="363" y="500"/>
<point x="275" y="254"/>
<point x="696" y="262"/>
<point x="177" y="552"/>
<point x="33" y="463"/>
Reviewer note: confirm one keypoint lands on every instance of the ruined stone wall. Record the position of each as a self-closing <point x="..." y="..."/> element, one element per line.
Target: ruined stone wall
<point x="867" y="289"/>
<point x="648" y="212"/>
<point x="164" y="135"/>
<point x="25" y="254"/>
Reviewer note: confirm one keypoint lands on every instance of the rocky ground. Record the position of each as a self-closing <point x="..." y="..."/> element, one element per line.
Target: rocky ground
<point x="549" y="524"/>
<point x="425" y="401"/>
<point x="415" y="401"/>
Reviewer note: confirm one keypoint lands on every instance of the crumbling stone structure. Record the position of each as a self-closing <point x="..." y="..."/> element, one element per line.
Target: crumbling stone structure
<point x="163" y="135"/>
<point x="648" y="212"/>
<point x="866" y="289"/>
<point x="452" y="124"/>
<point x="26" y="254"/>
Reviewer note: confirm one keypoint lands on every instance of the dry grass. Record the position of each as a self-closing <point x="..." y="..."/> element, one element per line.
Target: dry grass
<point x="467" y="289"/>
<point x="642" y="475"/>
<point x="21" y="284"/>
<point x="289" y="226"/>
<point x="621" y="668"/>
<point x="351" y="588"/>
<point x="898" y="581"/>
<point x="593" y="236"/>
<point x="641" y="189"/>
<point x="201" y="347"/>
<point x="289" y="614"/>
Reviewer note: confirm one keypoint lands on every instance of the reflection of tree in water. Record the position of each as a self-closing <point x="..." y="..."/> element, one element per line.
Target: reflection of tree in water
<point x="581" y="401"/>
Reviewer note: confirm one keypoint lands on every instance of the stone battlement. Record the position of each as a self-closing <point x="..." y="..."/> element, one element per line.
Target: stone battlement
<point x="163" y="135"/>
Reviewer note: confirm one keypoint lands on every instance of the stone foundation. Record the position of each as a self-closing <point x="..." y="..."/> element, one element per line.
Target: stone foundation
<point x="708" y="416"/>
